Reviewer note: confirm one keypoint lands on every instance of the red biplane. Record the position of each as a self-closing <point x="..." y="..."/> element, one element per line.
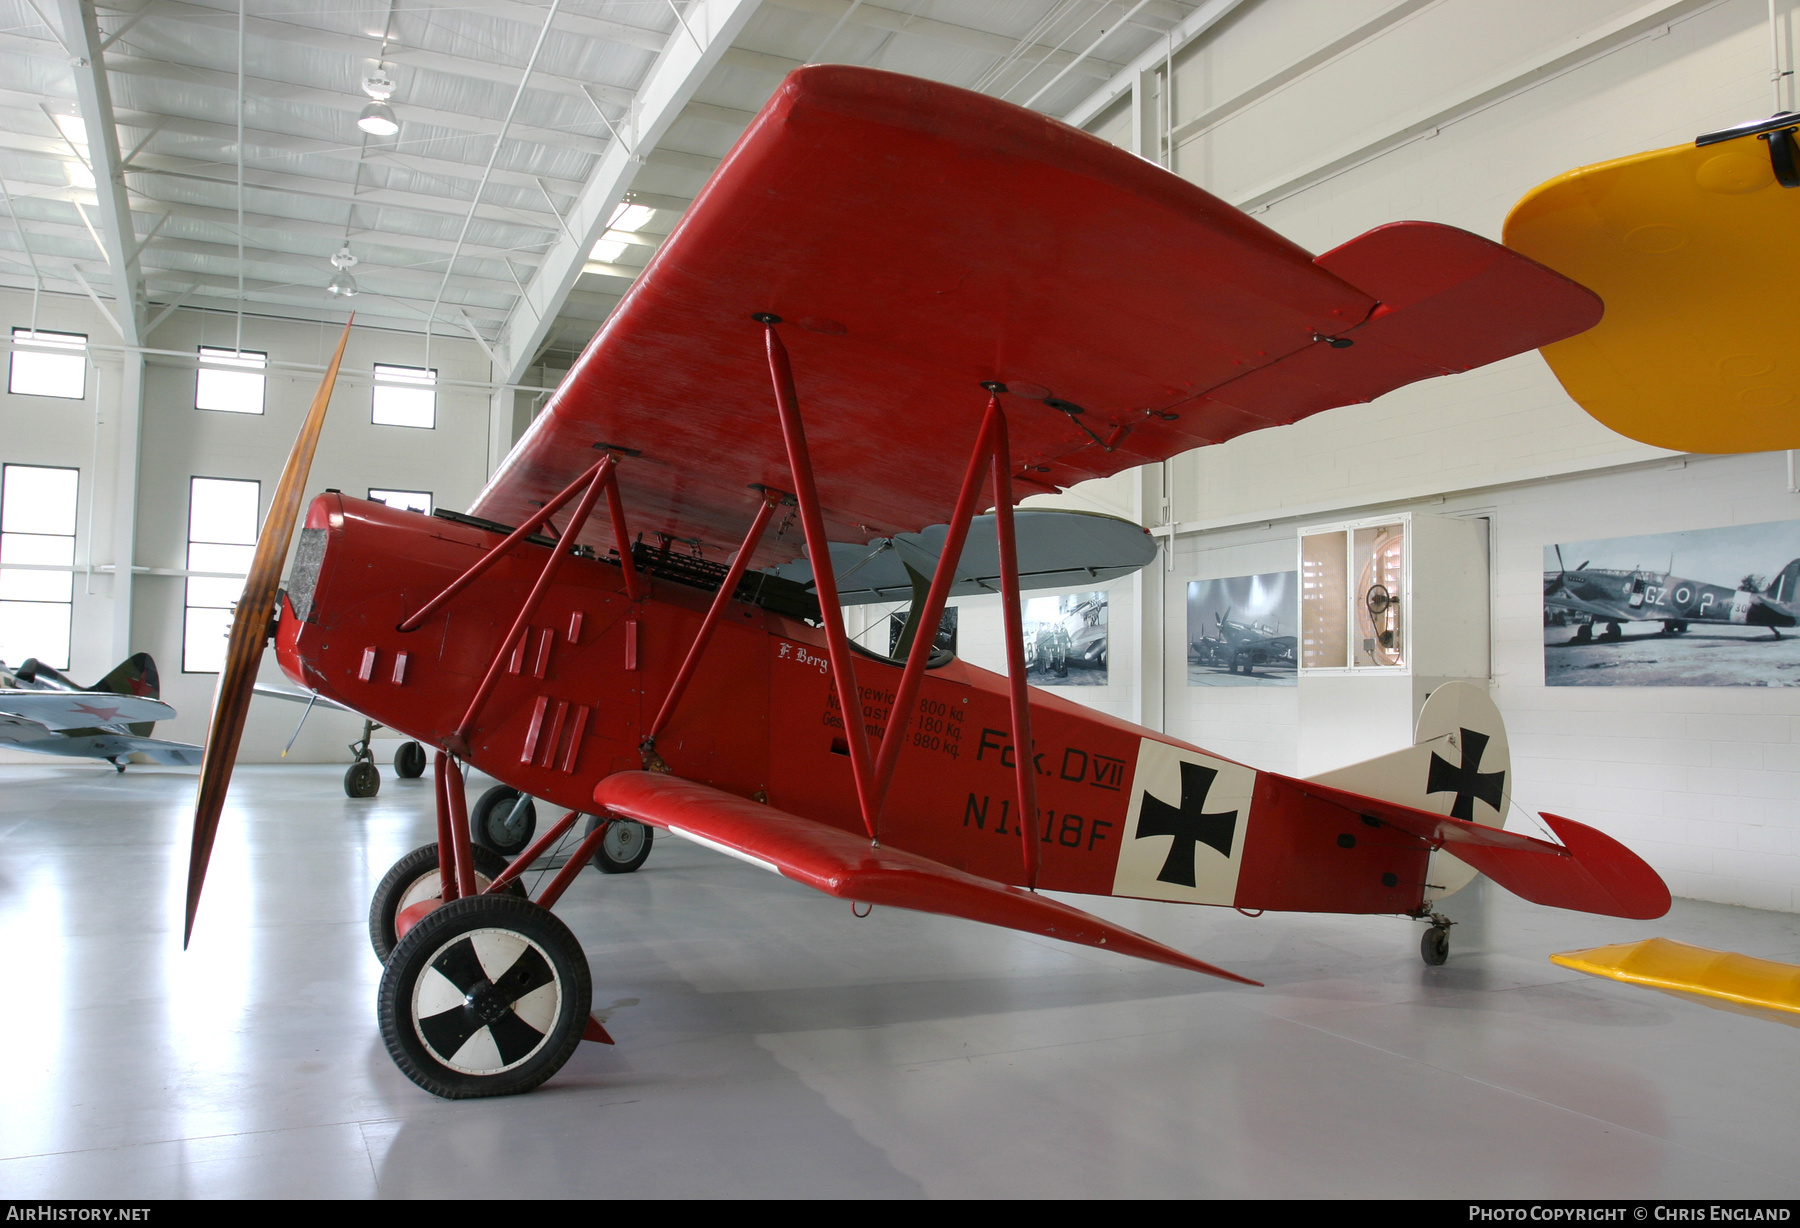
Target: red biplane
<point x="896" y="304"/>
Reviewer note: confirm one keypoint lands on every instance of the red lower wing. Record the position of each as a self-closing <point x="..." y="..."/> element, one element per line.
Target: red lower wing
<point x="838" y="863"/>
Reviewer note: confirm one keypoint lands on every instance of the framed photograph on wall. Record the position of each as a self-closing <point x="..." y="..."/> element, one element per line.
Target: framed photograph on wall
<point x="1705" y="607"/>
<point x="1242" y="630"/>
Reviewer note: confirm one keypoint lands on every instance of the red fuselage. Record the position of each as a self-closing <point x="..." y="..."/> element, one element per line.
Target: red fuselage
<point x="759" y="719"/>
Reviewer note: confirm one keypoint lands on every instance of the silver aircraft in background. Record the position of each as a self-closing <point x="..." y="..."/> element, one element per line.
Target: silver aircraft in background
<point x="43" y="710"/>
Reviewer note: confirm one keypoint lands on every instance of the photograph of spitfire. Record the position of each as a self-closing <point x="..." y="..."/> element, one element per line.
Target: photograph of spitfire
<point x="1241" y="630"/>
<point x="1065" y="640"/>
<point x="1706" y="607"/>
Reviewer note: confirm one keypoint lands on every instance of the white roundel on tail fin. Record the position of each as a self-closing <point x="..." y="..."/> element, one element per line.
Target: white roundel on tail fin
<point x="1459" y="765"/>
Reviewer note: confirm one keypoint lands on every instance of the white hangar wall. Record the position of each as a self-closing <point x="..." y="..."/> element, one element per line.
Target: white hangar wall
<point x="177" y="442"/>
<point x="1308" y="112"/>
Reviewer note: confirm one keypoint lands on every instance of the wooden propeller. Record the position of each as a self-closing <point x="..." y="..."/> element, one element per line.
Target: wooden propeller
<point x="249" y="631"/>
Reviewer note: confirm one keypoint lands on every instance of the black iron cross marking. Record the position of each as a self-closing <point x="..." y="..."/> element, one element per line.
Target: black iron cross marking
<point x="1465" y="781"/>
<point x="1187" y="824"/>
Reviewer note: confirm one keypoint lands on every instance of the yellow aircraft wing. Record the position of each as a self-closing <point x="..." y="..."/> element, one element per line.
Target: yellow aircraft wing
<point x="1694" y="250"/>
<point x="1721" y="979"/>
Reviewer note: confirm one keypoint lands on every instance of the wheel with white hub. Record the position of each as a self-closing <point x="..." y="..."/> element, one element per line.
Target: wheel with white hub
<point x="413" y="880"/>
<point x="624" y="848"/>
<point x="486" y="996"/>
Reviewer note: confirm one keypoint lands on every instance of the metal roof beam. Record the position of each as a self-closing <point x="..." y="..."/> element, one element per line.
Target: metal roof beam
<point x="1190" y="28"/>
<point x="286" y="142"/>
<point x="319" y="267"/>
<point x="667" y="90"/>
<point x="152" y="208"/>
<point x="331" y="232"/>
<point x="221" y="174"/>
<point x="572" y="23"/>
<point x="336" y="100"/>
<point x="178" y="279"/>
<point x="82" y="35"/>
<point x="362" y="47"/>
<point x="897" y="22"/>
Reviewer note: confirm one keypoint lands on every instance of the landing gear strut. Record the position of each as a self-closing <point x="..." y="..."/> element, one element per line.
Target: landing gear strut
<point x="363" y="778"/>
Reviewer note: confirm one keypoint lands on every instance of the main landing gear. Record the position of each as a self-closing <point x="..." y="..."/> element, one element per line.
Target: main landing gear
<point x="486" y="996"/>
<point x="489" y="994"/>
<point x="415" y="879"/>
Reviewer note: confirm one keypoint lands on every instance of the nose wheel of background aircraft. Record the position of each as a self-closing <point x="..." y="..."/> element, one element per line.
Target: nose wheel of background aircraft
<point x="486" y="996"/>
<point x="362" y="778"/>
<point x="413" y="880"/>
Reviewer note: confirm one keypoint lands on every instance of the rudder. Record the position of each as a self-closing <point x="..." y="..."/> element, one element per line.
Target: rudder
<point x="135" y="675"/>
<point x="1459" y="765"/>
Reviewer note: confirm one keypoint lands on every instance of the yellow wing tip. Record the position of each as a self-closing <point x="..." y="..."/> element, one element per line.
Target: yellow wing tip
<point x="1724" y="979"/>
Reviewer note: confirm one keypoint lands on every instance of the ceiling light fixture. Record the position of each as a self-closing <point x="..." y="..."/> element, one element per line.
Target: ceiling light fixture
<point x="343" y="285"/>
<point x="377" y="119"/>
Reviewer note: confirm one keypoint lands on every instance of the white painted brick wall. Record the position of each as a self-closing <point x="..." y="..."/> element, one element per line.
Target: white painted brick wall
<point x="1703" y="782"/>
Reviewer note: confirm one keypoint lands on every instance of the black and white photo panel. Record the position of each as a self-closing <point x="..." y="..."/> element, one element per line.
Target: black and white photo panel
<point x="1243" y="630"/>
<point x="1704" y="607"/>
<point x="1066" y="640"/>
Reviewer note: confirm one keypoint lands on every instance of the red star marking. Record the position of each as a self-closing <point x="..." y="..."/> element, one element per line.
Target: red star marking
<point x="103" y="714"/>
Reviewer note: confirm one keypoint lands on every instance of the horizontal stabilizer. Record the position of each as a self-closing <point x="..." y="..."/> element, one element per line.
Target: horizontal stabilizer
<point x="841" y="864"/>
<point x="82" y="709"/>
<point x="1588" y="872"/>
<point x="1723" y="979"/>
<point x="174" y="754"/>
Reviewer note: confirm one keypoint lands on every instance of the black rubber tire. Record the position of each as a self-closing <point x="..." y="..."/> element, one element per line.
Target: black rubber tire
<point x="437" y="1001"/>
<point x="405" y="874"/>
<point x="626" y="847"/>
<point x="487" y="821"/>
<point x="409" y="761"/>
<point x="1434" y="947"/>
<point x="362" y="779"/>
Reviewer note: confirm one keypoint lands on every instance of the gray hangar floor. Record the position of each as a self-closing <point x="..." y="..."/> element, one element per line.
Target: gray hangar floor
<point x="770" y="1044"/>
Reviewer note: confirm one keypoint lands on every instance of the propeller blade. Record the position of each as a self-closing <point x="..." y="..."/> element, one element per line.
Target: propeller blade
<point x="249" y="629"/>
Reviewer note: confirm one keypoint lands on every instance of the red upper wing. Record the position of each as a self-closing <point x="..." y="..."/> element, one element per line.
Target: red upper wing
<point x="919" y="239"/>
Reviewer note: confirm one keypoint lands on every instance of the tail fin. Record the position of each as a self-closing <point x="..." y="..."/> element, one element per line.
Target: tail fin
<point x="1784" y="589"/>
<point x="135" y="675"/>
<point x="1459" y="765"/>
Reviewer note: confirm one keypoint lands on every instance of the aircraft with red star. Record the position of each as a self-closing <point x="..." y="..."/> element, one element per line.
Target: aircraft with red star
<point x="43" y="710"/>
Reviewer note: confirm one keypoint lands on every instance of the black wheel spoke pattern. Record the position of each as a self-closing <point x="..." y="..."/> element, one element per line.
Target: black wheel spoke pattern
<point x="487" y="981"/>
